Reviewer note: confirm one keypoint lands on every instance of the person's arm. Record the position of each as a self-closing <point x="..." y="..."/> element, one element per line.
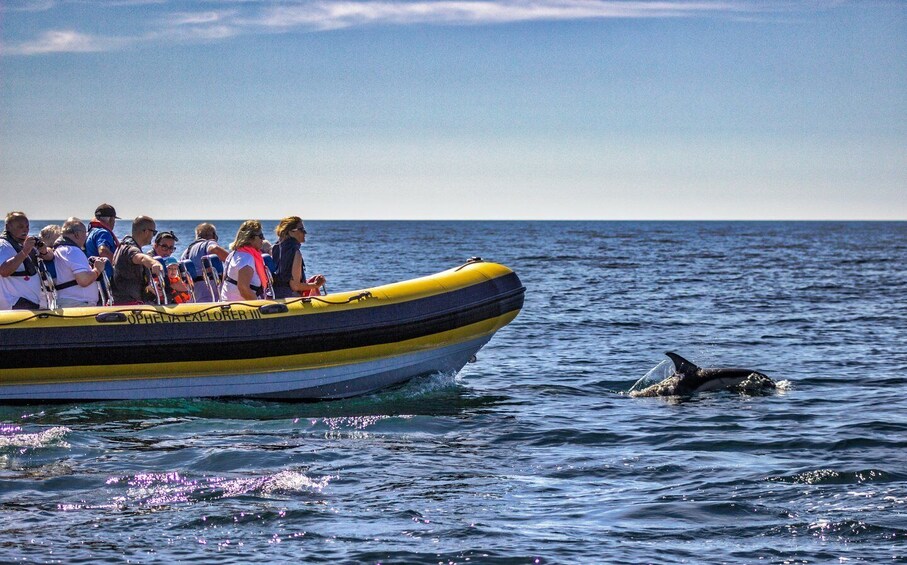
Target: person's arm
<point x="219" y="251"/>
<point x="104" y="251"/>
<point x="46" y="253"/>
<point x="10" y="265"/>
<point x="105" y="246"/>
<point x="244" y="283"/>
<point x="86" y="278"/>
<point x="298" y="286"/>
<point x="149" y="262"/>
<point x="296" y="274"/>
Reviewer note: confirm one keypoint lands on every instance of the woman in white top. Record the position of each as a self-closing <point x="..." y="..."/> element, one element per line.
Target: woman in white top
<point x="244" y="270"/>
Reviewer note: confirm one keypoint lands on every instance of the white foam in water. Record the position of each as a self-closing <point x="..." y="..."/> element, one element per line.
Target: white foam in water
<point x="432" y="384"/>
<point x="164" y="489"/>
<point x="294" y="481"/>
<point x="13" y="436"/>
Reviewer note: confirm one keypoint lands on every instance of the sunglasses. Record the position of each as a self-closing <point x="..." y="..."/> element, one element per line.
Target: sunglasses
<point x="153" y="232"/>
<point x="167" y="247"/>
<point x="259" y="234"/>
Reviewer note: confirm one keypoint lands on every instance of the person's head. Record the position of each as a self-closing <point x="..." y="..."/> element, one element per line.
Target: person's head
<point x="249" y="233"/>
<point x="74" y="229"/>
<point x="107" y="215"/>
<point x="291" y="226"/>
<point x="173" y="269"/>
<point x="206" y="231"/>
<point x="17" y="226"/>
<point x="266" y="246"/>
<point x="143" y="230"/>
<point x="165" y="243"/>
<point x="50" y="233"/>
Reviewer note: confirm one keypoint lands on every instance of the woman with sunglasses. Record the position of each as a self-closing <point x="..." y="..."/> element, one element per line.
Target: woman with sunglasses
<point x="289" y="272"/>
<point x="245" y="277"/>
<point x="164" y="244"/>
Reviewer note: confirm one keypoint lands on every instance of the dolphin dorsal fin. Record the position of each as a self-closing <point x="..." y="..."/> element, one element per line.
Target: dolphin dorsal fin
<point x="681" y="365"/>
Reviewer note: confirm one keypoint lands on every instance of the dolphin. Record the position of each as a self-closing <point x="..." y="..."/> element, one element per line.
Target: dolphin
<point x="688" y="379"/>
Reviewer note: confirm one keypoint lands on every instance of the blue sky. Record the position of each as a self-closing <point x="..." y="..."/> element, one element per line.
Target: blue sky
<point x="548" y="109"/>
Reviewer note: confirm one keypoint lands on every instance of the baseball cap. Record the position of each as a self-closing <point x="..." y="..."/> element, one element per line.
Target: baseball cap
<point x="105" y="210"/>
<point x="162" y="234"/>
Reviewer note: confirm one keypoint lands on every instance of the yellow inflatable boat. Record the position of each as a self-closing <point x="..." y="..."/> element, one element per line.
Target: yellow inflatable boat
<point x="332" y="346"/>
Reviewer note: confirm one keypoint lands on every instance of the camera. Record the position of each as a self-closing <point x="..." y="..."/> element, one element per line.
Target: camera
<point x="38" y="241"/>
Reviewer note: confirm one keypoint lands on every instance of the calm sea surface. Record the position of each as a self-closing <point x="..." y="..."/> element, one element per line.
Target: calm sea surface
<point x="533" y="454"/>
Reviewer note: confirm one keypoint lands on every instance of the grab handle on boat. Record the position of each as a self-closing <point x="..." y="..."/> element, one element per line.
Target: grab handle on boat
<point x="110" y="317"/>
<point x="103" y="285"/>
<point x="212" y="268"/>
<point x="187" y="273"/>
<point x="47" y="285"/>
<point x="158" y="287"/>
<point x="269" y="284"/>
<point x="276" y="308"/>
<point x="470" y="261"/>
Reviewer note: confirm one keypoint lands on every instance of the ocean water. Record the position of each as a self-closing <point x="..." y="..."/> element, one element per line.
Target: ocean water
<point x="534" y="454"/>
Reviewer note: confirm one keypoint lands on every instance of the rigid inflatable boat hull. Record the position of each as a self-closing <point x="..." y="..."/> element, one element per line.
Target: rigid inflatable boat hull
<point x="328" y="347"/>
<point x="302" y="384"/>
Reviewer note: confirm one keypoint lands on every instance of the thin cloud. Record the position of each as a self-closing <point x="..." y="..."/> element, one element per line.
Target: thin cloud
<point x="62" y="41"/>
<point x="336" y="15"/>
<point x="164" y="25"/>
<point x="201" y="18"/>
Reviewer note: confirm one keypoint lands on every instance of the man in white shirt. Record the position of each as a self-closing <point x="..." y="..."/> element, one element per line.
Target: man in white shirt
<point x="76" y="278"/>
<point x="20" y="283"/>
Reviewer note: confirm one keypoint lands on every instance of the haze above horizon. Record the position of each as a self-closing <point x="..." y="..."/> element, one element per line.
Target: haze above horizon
<point x="467" y="109"/>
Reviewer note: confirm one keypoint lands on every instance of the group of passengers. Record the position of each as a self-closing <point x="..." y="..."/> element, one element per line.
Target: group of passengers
<point x="81" y="257"/>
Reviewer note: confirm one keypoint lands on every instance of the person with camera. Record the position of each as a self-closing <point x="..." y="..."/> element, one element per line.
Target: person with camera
<point x="20" y="283"/>
<point x="76" y="277"/>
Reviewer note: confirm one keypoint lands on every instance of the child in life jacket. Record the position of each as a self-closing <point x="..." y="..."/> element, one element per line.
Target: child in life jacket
<point x="179" y="292"/>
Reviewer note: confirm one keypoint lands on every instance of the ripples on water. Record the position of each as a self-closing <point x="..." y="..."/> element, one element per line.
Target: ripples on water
<point x="533" y="454"/>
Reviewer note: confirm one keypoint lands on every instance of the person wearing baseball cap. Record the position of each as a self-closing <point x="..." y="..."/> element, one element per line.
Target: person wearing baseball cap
<point x="106" y="211"/>
<point x="102" y="242"/>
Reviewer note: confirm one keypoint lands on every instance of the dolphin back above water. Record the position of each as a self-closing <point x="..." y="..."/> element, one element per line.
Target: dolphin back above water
<point x="688" y="378"/>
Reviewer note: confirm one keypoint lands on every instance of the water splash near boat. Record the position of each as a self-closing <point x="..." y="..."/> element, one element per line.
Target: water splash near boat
<point x="12" y="436"/>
